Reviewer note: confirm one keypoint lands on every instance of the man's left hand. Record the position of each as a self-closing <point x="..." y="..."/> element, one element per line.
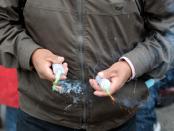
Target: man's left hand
<point x="117" y="74"/>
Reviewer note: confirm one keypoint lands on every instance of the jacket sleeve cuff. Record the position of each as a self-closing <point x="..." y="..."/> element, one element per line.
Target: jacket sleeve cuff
<point x="141" y="59"/>
<point x="131" y="66"/>
<point x="25" y="50"/>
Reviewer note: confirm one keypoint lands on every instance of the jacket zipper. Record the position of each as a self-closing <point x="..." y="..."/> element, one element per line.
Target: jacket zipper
<point x="80" y="27"/>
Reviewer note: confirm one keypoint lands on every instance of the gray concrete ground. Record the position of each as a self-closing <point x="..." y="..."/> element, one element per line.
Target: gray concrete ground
<point x="165" y="116"/>
<point x="2" y="114"/>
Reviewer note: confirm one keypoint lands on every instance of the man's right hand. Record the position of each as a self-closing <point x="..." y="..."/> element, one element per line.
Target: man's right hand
<point x="42" y="60"/>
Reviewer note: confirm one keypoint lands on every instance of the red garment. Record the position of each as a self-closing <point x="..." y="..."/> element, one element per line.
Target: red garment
<point x="8" y="87"/>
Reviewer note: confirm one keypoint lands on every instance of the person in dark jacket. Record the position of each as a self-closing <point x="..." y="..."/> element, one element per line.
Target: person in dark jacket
<point x="9" y="96"/>
<point x="120" y="41"/>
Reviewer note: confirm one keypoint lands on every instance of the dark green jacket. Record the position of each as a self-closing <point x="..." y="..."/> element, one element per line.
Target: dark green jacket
<point x="91" y="35"/>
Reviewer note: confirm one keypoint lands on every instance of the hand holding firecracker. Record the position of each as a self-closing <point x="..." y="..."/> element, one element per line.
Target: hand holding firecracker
<point x="105" y="85"/>
<point x="112" y="79"/>
<point x="42" y="60"/>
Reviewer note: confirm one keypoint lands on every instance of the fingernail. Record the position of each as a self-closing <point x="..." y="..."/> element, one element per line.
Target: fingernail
<point x="58" y="88"/>
<point x="101" y="74"/>
<point x="60" y="58"/>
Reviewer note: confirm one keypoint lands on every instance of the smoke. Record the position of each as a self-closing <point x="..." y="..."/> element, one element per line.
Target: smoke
<point x="170" y="6"/>
<point x="170" y="37"/>
<point x="71" y="86"/>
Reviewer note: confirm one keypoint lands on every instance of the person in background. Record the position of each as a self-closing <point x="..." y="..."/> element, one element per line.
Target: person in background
<point x="161" y="94"/>
<point x="119" y="41"/>
<point x="11" y="118"/>
<point x="165" y="90"/>
<point x="9" y="96"/>
<point x="146" y="119"/>
<point x="1" y="125"/>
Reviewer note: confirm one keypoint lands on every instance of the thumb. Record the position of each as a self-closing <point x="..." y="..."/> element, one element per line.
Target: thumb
<point x="57" y="59"/>
<point x="104" y="74"/>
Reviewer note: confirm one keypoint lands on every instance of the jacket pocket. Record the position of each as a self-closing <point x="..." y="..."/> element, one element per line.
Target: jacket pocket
<point x="45" y="4"/>
<point x="111" y="7"/>
<point x="123" y="6"/>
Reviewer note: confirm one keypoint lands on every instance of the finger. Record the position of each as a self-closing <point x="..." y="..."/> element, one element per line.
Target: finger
<point x="47" y="76"/>
<point x="110" y="72"/>
<point x="94" y="84"/>
<point x="65" y="66"/>
<point x="47" y="73"/>
<point x="63" y="77"/>
<point x="58" y="88"/>
<point x="100" y="93"/>
<point x="105" y="74"/>
<point x="54" y="59"/>
<point x="60" y="59"/>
